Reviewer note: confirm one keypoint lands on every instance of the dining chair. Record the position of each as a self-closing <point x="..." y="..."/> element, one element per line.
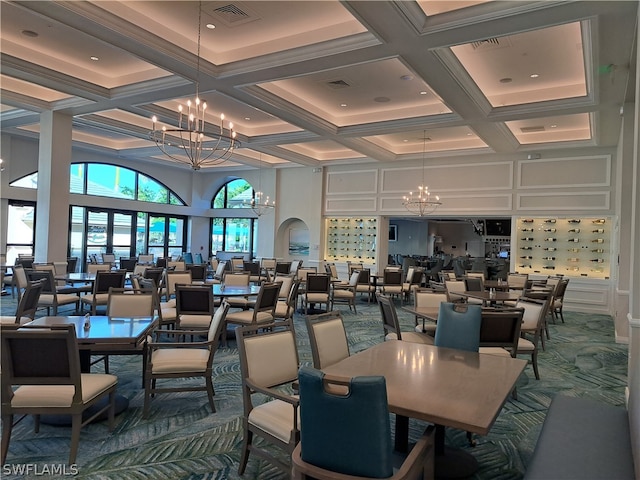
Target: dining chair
<point x="391" y="325"/>
<point x="348" y="436"/>
<point x="19" y="280"/>
<point x="49" y="297"/>
<point x="459" y="326"/>
<point x="218" y="273"/>
<point x="327" y="339"/>
<point x="345" y="293"/>
<point x="263" y="310"/>
<point x="176" y="265"/>
<point x="283" y="268"/>
<point x="237" y="279"/>
<point x="500" y="331"/>
<point x="517" y="281"/>
<point x="269" y="365"/>
<point x="198" y="273"/>
<point x="27" y="306"/>
<point x="351" y="266"/>
<point x="286" y="308"/>
<point x="317" y="292"/>
<point x="427" y="298"/>
<point x="532" y="328"/>
<point x="36" y="362"/>
<point x="364" y="283"/>
<point x="146" y="259"/>
<point x="237" y="264"/>
<point x="100" y="294"/>
<point x="127" y="263"/>
<point x="268" y="265"/>
<point x="412" y="280"/>
<point x="166" y="361"/>
<point x="194" y="307"/>
<point x="109" y="259"/>
<point x="255" y="271"/>
<point x="558" y="299"/>
<point x="171" y="279"/>
<point x="392" y="284"/>
<point x="473" y="284"/>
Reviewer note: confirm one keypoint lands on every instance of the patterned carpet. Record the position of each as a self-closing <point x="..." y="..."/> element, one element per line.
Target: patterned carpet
<point x="182" y="439"/>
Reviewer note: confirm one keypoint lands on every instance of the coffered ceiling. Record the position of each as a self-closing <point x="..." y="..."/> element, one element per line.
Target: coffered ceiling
<point x="324" y="82"/>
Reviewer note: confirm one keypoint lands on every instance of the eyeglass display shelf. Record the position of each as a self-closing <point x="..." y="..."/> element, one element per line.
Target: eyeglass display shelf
<point x="351" y="239"/>
<point x="572" y="246"/>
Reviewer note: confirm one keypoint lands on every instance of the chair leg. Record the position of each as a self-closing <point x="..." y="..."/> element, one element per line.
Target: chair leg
<point x="534" y="363"/>
<point x="246" y="442"/>
<point x="210" y="393"/>
<point x="36" y="423"/>
<point x="147" y="395"/>
<point x="7" y="425"/>
<point x="111" y="415"/>
<point x="76" y="424"/>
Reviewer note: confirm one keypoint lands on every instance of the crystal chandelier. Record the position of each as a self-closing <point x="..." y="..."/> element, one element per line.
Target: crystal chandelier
<point x="422" y="202"/>
<point x="191" y="143"/>
<point x="261" y="203"/>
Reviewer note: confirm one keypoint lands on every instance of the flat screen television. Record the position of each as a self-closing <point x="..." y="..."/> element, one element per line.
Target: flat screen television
<point x="497" y="227"/>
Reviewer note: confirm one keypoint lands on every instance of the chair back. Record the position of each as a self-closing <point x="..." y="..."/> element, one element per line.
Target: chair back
<point x="237" y="264"/>
<point x="363" y="276"/>
<point x="128" y="264"/>
<point x="146" y="258"/>
<point x="328" y="339"/>
<point x="459" y="327"/>
<point x="268" y="263"/>
<point x="390" y="323"/>
<point x="161" y="262"/>
<point x="517" y="280"/>
<point x="304" y="272"/>
<point x="197" y="259"/>
<point x="283" y="268"/>
<point x="428" y="298"/>
<point x="109" y="279"/>
<point x="295" y="266"/>
<point x="331" y="270"/>
<point x="535" y="312"/>
<point x="286" y="282"/>
<point x="45" y="277"/>
<point x="39" y="356"/>
<point x="345" y="433"/>
<point x="453" y="288"/>
<point x="392" y="276"/>
<point x="174" y="278"/>
<point x="198" y="272"/>
<point x="236" y="279"/>
<point x="220" y="268"/>
<point x="177" y="265"/>
<point x="475" y="275"/>
<point x="187" y="257"/>
<point x="351" y="266"/>
<point x="268" y="355"/>
<point x="124" y="303"/>
<point x="218" y="324"/>
<point x="561" y="289"/>
<point x="26" y="262"/>
<point x="318" y="283"/>
<point x="252" y="267"/>
<point x="194" y="300"/>
<point x="29" y="301"/>
<point x="154" y="273"/>
<point x="98" y="267"/>
<point x="473" y="284"/>
<point x="501" y="328"/>
<point x="109" y="258"/>
<point x="20" y="276"/>
<point x="267" y="298"/>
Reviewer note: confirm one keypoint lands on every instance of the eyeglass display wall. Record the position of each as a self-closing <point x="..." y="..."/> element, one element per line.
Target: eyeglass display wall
<point x="351" y="239"/>
<point x="578" y="246"/>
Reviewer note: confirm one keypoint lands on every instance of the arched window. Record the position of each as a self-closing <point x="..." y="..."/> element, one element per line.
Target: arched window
<point x="112" y="181"/>
<point x="237" y="233"/>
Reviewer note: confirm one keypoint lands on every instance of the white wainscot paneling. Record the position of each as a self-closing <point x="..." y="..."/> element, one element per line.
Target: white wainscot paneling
<point x="587" y="200"/>
<point x="588" y="296"/>
<point x="357" y="182"/>
<point x="342" y="205"/>
<point x="565" y="172"/>
<point x="449" y="178"/>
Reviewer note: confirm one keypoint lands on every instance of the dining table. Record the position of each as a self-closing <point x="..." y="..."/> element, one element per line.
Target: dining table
<point x="104" y="335"/>
<point x="425" y="313"/>
<point x="490" y="297"/>
<point x="221" y="290"/>
<point x="442" y="386"/>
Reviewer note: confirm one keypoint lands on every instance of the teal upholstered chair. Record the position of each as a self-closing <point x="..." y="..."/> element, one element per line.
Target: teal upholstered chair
<point x="347" y="432"/>
<point x="459" y="327"/>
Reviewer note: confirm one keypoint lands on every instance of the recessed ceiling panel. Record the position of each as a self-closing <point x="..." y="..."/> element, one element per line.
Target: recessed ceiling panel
<point x="562" y="128"/>
<point x="434" y="7"/>
<point x="29" y="89"/>
<point x="243" y="29"/>
<point x="363" y="93"/>
<point x="323" y="150"/>
<point x="436" y="140"/>
<point x="535" y="66"/>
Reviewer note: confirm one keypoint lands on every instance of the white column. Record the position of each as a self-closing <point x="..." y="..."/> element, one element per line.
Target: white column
<point x="52" y="215"/>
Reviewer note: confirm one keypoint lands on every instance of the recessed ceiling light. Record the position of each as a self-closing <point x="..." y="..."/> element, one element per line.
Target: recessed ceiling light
<point x="29" y="33"/>
<point x="94" y="58"/>
<point x="506" y="80"/>
<point x="469" y="134"/>
<point x="423" y="92"/>
<point x="405" y="140"/>
<point x="534" y="75"/>
<point x="406" y="77"/>
<point x="247" y="118"/>
<point x="210" y="26"/>
<point x="343" y="104"/>
<point x="554" y="126"/>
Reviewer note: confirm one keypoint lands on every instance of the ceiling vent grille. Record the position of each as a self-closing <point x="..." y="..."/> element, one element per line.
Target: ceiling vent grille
<point x="230" y="14"/>
<point x="533" y="129"/>
<point x="338" y="84"/>
<point x="490" y="44"/>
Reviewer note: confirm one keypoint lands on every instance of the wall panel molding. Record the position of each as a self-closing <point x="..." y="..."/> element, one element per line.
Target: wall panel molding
<point x="352" y="183"/>
<point x="335" y="206"/>
<point x="570" y="201"/>
<point x="592" y="171"/>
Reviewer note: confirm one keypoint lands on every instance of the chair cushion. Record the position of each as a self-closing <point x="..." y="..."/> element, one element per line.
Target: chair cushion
<point x="525" y="345"/>
<point x="179" y="360"/>
<point x="343" y="294"/>
<point x="281" y="309"/>
<point x="195" y="321"/>
<point x="275" y="417"/>
<point x="100" y="298"/>
<point x="93" y="384"/>
<point x="317" y="297"/>
<point x="393" y="289"/>
<point x="495" y="351"/>
<point x="171" y="303"/>
<point x="246" y="317"/>
<point x="415" y="337"/>
<point x="168" y="313"/>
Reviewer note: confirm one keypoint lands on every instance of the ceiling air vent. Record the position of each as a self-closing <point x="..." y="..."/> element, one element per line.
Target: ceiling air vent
<point x="337" y="84"/>
<point x="490" y="44"/>
<point x="534" y="129"/>
<point x="230" y="14"/>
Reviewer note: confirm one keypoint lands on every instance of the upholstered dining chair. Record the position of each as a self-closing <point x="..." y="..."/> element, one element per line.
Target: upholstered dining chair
<point x="263" y="310"/>
<point x="412" y="280"/>
<point x="237" y="279"/>
<point x="100" y="293"/>
<point x="532" y="329"/>
<point x="49" y="297"/>
<point x="327" y="338"/>
<point x="318" y="290"/>
<point x="365" y="285"/>
<point x="27" y="306"/>
<point x="391" y="325"/>
<point x="269" y="367"/>
<point x="218" y="273"/>
<point x="392" y="284"/>
<point x="427" y="298"/>
<point x="194" y="307"/>
<point x="284" y="268"/>
<point x="41" y="376"/>
<point x="348" y="436"/>
<point x="345" y="293"/>
<point x="459" y="327"/>
<point x="286" y="308"/>
<point x="175" y="360"/>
